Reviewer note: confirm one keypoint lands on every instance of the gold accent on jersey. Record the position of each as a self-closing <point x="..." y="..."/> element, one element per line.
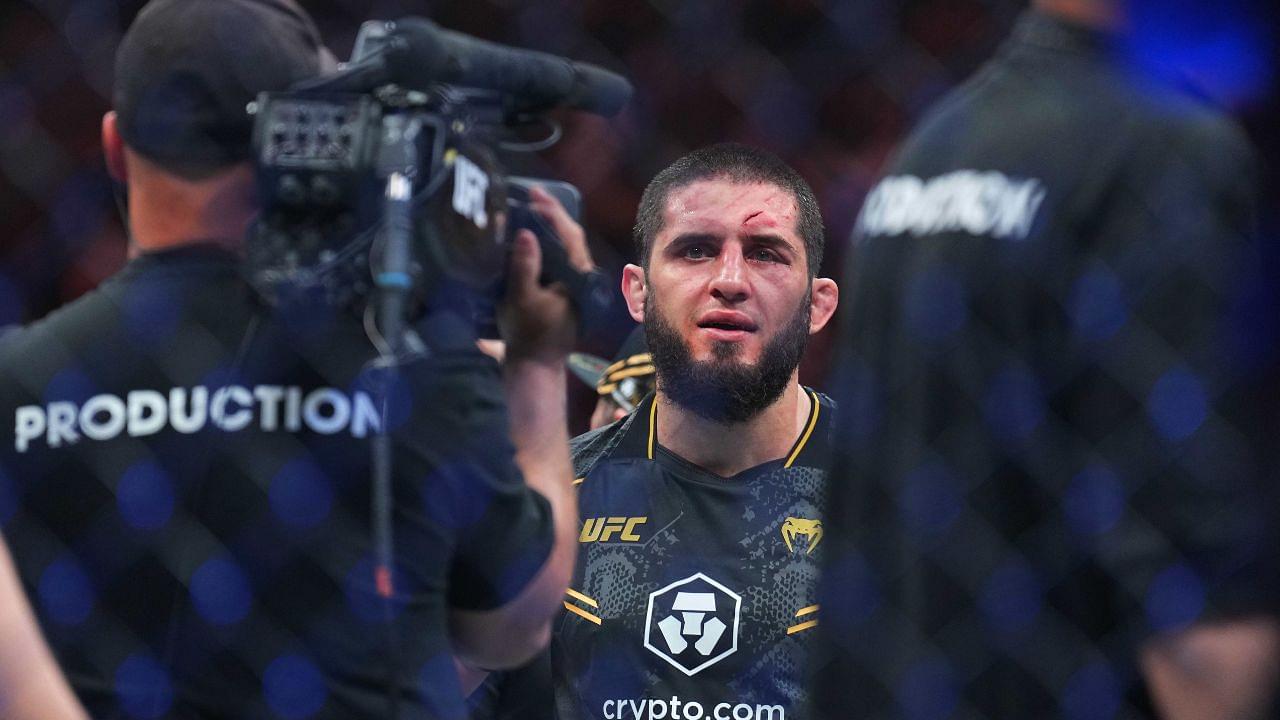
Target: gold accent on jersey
<point x="601" y="529"/>
<point x="807" y="611"/>
<point x="802" y="627"/>
<point x="579" y="596"/>
<point x="804" y="437"/>
<point x="578" y="481"/>
<point x="582" y="613"/>
<point x="794" y="527"/>
<point x="653" y="424"/>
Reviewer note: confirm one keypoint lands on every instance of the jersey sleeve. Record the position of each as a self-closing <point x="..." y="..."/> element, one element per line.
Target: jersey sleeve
<point x="462" y="462"/>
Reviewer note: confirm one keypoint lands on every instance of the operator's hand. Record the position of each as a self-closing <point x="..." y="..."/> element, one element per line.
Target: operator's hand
<point x="539" y="323"/>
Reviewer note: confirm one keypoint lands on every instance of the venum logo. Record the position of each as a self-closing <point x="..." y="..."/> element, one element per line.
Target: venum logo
<point x="693" y="623"/>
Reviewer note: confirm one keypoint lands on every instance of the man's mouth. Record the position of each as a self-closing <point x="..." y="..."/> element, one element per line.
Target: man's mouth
<point x="727" y="324"/>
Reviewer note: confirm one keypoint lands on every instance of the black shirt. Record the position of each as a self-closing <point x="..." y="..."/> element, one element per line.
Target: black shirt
<point x="693" y="593"/>
<point x="187" y="494"/>
<point x="1048" y="448"/>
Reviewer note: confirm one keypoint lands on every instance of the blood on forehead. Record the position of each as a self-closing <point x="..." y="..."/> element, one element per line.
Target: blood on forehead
<point x="729" y="204"/>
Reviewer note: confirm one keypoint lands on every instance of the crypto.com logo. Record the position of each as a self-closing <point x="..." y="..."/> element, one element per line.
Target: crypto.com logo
<point x="692" y="623"/>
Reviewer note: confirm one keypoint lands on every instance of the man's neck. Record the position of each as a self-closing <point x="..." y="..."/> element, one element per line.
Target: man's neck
<point x="167" y="212"/>
<point x="728" y="449"/>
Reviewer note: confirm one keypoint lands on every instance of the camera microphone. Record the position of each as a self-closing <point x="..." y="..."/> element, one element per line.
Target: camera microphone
<point x="415" y="52"/>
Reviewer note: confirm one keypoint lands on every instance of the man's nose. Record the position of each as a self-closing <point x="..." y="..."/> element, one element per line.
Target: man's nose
<point x="730" y="281"/>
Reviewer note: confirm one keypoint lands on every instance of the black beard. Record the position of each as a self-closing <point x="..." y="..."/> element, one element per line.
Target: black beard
<point x="725" y="390"/>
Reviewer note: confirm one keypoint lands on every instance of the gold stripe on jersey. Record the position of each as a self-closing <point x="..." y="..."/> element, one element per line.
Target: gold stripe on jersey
<point x="578" y="481"/>
<point x="653" y="424"/>
<point x="807" y="611"/>
<point x="583" y="613"/>
<point x="802" y="627"/>
<point x="579" y="596"/>
<point x="804" y="438"/>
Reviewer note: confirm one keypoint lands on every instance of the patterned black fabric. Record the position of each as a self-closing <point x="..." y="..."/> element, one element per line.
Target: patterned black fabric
<point x="186" y="490"/>
<point x="1054" y="408"/>
<point x="694" y="594"/>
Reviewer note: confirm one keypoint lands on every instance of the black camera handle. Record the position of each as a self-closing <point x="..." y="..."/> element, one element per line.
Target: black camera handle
<point x="392" y="278"/>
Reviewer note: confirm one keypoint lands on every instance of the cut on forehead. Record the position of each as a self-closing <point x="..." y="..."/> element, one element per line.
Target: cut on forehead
<point x="737" y="164"/>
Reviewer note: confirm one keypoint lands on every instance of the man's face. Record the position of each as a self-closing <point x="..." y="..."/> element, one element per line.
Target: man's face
<point x="727" y="297"/>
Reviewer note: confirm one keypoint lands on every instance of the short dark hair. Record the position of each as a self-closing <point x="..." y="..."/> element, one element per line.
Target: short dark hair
<point x="186" y="70"/>
<point x="739" y="164"/>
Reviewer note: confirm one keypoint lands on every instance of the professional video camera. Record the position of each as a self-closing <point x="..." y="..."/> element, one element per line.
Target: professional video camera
<point x="384" y="174"/>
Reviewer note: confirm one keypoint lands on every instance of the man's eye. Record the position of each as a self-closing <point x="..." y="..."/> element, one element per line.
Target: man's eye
<point x="695" y="252"/>
<point x="764" y="255"/>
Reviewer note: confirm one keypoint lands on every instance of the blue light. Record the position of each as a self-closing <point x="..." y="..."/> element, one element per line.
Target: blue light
<point x="927" y="691"/>
<point x="1094" y="501"/>
<point x="1097" y="306"/>
<point x="1011" y="599"/>
<point x="1177" y="404"/>
<point x="70" y="384"/>
<point x="928" y="500"/>
<point x="936" y="305"/>
<point x="858" y="396"/>
<point x="301" y="494"/>
<point x="294" y="687"/>
<point x="1014" y="403"/>
<point x="144" y="496"/>
<point x="441" y="694"/>
<point x="221" y="592"/>
<point x="151" y="313"/>
<point x="1222" y="47"/>
<point x="66" y="593"/>
<point x="849" y="595"/>
<point x="143" y="687"/>
<point x="1092" y="693"/>
<point x="1174" y="599"/>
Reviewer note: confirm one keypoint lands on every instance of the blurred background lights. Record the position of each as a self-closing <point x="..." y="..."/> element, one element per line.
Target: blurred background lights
<point x="301" y="494"/>
<point x="927" y="691"/>
<point x="1097" y="305"/>
<point x="294" y="687"/>
<point x="1175" y="598"/>
<point x="1094" y="501"/>
<point x="936" y="305"/>
<point x="66" y="595"/>
<point x="1177" y="404"/>
<point x="929" y="500"/>
<point x="143" y="687"/>
<point x="221" y="591"/>
<point x="144" y="496"/>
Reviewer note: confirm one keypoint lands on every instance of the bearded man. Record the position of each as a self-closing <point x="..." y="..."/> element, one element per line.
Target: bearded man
<point x="701" y="510"/>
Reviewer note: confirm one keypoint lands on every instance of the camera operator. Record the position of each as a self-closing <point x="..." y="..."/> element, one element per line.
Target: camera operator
<point x="193" y="468"/>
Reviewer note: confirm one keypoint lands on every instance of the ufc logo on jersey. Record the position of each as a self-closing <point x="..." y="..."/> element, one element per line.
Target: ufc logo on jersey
<point x="601" y="529"/>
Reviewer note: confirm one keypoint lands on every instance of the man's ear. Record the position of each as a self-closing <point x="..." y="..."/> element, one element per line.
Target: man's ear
<point x="634" y="290"/>
<point x="113" y="148"/>
<point x="822" y="303"/>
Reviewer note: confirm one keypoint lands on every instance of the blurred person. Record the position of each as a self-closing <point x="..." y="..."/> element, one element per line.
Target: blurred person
<point x="31" y="685"/>
<point x="192" y="468"/>
<point x="1048" y="493"/>
<point x="621" y="384"/>
<point x="702" y="510"/>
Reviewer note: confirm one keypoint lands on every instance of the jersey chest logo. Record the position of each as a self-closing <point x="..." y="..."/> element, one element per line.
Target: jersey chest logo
<point x="693" y="623"/>
<point x="794" y="528"/>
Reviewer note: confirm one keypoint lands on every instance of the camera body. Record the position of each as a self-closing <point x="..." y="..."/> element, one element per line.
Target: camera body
<point x="323" y="161"/>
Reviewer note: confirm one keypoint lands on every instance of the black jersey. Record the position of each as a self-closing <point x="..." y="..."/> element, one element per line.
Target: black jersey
<point x="1049" y="442"/>
<point x="694" y="594"/>
<point x="185" y="487"/>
